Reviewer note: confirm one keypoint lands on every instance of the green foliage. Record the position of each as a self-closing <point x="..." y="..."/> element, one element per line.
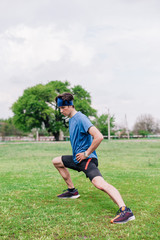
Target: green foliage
<point x="143" y="133"/>
<point x="82" y="101"/>
<point x="102" y="124"/>
<point x="36" y="108"/>
<point x="30" y="109"/>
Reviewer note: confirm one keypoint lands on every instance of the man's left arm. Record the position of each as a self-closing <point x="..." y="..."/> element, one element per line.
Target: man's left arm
<point x="97" y="139"/>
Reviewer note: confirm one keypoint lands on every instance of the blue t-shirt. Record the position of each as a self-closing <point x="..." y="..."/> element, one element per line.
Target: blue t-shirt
<point x="80" y="139"/>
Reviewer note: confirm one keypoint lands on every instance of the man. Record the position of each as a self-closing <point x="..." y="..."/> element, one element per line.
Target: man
<point x="85" y="138"/>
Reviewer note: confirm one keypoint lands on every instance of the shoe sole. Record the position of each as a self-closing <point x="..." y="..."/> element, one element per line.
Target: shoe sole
<point x="129" y="219"/>
<point x="73" y="197"/>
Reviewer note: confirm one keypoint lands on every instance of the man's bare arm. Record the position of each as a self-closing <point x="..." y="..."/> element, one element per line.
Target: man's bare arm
<point x="97" y="139"/>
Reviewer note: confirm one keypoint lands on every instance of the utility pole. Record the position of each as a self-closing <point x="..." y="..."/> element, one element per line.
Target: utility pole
<point x="127" y="131"/>
<point x="109" y="137"/>
<point x="37" y="135"/>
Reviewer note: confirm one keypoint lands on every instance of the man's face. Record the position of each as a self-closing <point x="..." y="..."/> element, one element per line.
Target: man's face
<point x="66" y="110"/>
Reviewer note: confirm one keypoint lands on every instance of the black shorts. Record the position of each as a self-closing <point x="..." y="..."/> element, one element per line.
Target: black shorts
<point x="88" y="166"/>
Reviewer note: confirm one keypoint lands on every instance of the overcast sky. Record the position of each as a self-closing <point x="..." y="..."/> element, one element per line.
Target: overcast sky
<point x="110" y="47"/>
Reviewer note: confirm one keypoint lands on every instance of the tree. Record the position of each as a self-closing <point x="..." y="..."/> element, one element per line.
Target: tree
<point x="36" y="108"/>
<point x="82" y="101"/>
<point x="102" y="124"/>
<point x="7" y="128"/>
<point x="145" y="124"/>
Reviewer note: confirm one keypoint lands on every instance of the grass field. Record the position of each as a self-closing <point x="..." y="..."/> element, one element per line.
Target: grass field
<point x="29" y="208"/>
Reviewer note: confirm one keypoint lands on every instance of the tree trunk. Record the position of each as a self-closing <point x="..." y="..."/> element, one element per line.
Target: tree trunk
<point x="56" y="136"/>
<point x="37" y="135"/>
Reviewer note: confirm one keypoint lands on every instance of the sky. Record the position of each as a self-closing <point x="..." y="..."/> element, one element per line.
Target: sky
<point x="110" y="48"/>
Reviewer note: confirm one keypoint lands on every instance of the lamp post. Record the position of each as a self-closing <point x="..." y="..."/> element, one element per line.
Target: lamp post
<point x="109" y="137"/>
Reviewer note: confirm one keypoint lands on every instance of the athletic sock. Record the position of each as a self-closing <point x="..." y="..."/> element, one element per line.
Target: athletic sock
<point x="123" y="208"/>
<point x="71" y="189"/>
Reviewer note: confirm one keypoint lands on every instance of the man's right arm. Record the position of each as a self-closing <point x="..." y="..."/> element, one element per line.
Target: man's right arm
<point x="97" y="139"/>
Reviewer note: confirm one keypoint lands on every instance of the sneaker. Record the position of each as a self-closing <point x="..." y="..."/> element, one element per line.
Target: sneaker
<point x="124" y="215"/>
<point x="69" y="194"/>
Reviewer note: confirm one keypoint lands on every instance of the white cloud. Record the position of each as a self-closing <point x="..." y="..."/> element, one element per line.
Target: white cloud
<point x="28" y="47"/>
<point x="5" y="97"/>
<point x="111" y="48"/>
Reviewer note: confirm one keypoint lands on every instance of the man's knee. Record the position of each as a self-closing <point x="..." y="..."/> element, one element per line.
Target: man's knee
<point x="99" y="182"/>
<point x="57" y="162"/>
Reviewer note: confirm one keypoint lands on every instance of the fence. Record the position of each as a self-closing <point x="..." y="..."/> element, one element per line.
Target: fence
<point x="27" y="139"/>
<point x="67" y="138"/>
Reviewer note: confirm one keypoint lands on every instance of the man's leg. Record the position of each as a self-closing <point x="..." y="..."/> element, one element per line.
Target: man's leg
<point x="124" y="213"/>
<point x="114" y="194"/>
<point x="57" y="162"/>
<point x="71" y="192"/>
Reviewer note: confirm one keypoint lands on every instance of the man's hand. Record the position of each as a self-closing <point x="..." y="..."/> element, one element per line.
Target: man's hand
<point x="80" y="157"/>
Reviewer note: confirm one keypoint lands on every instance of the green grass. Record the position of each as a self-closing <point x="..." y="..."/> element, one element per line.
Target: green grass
<point x="29" y="208"/>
